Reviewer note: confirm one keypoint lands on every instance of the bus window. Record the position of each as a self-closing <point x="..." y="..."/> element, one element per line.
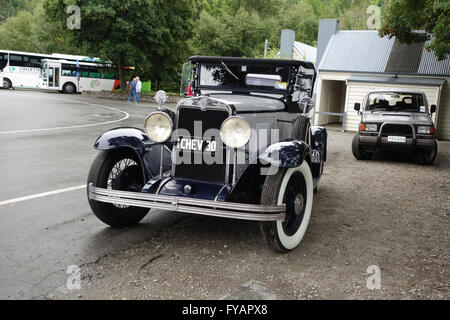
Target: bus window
<point x="108" y="76"/>
<point x="34" y="62"/>
<point x="15" y="60"/>
<point x="50" y="77"/>
<point x="94" y="72"/>
<point x="69" y="70"/>
<point x="3" y="60"/>
<point x="85" y="72"/>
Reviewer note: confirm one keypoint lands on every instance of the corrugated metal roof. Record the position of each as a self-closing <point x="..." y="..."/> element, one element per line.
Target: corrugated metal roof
<point x="425" y="82"/>
<point x="365" y="51"/>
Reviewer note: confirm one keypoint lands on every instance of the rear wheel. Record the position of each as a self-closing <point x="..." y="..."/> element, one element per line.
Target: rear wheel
<point x="358" y="152"/>
<point x="117" y="170"/>
<point x="426" y="157"/>
<point x="7" y="84"/>
<point x="293" y="187"/>
<point x="69" y="88"/>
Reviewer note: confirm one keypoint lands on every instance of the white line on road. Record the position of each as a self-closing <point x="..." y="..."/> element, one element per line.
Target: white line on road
<point x="127" y="115"/>
<point x="40" y="195"/>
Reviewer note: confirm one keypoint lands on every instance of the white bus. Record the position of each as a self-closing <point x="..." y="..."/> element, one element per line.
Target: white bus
<point x="22" y="69"/>
<point x="72" y="77"/>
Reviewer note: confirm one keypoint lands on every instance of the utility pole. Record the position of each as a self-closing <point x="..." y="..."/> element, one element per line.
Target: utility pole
<point x="266" y="47"/>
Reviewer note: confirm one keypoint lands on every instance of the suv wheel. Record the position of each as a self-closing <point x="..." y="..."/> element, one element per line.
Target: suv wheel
<point x="358" y="152"/>
<point x="426" y="157"/>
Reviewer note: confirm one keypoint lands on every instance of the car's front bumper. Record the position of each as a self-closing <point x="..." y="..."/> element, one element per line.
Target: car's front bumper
<point x="380" y="142"/>
<point x="189" y="205"/>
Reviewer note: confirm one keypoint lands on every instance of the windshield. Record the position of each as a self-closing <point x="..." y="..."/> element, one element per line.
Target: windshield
<point x="222" y="76"/>
<point x="396" y="101"/>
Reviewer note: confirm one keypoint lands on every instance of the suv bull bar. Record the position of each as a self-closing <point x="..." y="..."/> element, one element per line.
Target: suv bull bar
<point x="413" y="142"/>
<point x="221" y="209"/>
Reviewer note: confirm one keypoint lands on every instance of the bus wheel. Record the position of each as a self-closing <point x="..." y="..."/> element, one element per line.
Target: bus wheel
<point x="69" y="88"/>
<point x="7" y="84"/>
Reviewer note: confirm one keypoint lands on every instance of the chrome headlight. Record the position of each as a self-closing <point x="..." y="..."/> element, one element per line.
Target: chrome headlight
<point x="424" y="130"/>
<point x="235" y="132"/>
<point x="371" y="127"/>
<point x="159" y="126"/>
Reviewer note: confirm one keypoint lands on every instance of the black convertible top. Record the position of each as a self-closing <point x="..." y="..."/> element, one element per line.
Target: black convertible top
<point x="252" y="61"/>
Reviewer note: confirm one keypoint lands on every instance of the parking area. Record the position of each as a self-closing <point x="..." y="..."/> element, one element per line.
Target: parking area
<point x="387" y="213"/>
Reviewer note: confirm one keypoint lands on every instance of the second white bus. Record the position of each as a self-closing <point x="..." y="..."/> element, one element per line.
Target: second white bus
<point x="65" y="76"/>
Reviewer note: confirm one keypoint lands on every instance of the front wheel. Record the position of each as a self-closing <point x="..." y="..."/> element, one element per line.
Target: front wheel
<point x="426" y="157"/>
<point x="7" y="84"/>
<point x="117" y="170"/>
<point x="293" y="187"/>
<point x="358" y="152"/>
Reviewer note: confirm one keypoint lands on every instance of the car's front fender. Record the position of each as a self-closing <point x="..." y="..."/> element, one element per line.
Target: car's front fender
<point x="286" y="154"/>
<point x="135" y="140"/>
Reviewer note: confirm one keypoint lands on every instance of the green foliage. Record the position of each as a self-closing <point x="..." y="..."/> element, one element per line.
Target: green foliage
<point x="234" y="35"/>
<point x="433" y="16"/>
<point x="31" y="30"/>
<point x="10" y="8"/>
<point x="148" y="34"/>
<point x="156" y="36"/>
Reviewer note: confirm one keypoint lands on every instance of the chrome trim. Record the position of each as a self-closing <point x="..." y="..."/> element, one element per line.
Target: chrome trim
<point x="398" y="124"/>
<point x="161" y="162"/>
<point x="189" y="205"/>
<point x="220" y="191"/>
<point x="162" y="184"/>
<point x="166" y="115"/>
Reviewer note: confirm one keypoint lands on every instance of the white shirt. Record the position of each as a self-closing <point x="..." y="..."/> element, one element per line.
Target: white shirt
<point x="139" y="86"/>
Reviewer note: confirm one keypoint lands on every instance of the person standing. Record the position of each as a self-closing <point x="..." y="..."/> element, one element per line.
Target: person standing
<point x="138" y="89"/>
<point x="132" y="90"/>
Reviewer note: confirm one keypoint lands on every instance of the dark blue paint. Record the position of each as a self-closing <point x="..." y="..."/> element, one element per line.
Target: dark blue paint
<point x="200" y="190"/>
<point x="286" y="154"/>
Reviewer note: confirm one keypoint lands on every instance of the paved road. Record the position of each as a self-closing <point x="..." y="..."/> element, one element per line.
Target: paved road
<point x="46" y="145"/>
<point x="387" y="212"/>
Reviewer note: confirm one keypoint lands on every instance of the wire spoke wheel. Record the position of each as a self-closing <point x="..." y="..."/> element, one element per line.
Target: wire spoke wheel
<point x="117" y="170"/>
<point x="125" y="176"/>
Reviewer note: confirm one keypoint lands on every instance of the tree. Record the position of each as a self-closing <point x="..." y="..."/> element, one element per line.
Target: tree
<point x="433" y="16"/>
<point x="31" y="30"/>
<point x="147" y="33"/>
<point x="237" y="35"/>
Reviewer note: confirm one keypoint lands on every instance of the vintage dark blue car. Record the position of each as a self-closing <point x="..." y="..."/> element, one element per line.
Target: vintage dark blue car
<point x="241" y="147"/>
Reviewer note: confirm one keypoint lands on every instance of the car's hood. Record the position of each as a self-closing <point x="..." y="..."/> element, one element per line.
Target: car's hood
<point x="249" y="103"/>
<point x="407" y="117"/>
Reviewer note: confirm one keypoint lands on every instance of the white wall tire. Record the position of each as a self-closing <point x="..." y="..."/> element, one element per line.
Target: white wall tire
<point x="285" y="236"/>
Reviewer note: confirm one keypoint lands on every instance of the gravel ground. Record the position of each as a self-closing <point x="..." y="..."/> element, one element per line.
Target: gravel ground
<point x="387" y="212"/>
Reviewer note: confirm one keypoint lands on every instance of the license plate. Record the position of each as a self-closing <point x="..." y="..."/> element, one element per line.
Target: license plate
<point x="396" y="139"/>
<point x="197" y="145"/>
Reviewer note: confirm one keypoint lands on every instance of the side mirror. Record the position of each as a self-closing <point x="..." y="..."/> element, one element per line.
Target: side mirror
<point x="433" y="108"/>
<point x="306" y="105"/>
<point x="161" y="98"/>
<point x="358" y="107"/>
